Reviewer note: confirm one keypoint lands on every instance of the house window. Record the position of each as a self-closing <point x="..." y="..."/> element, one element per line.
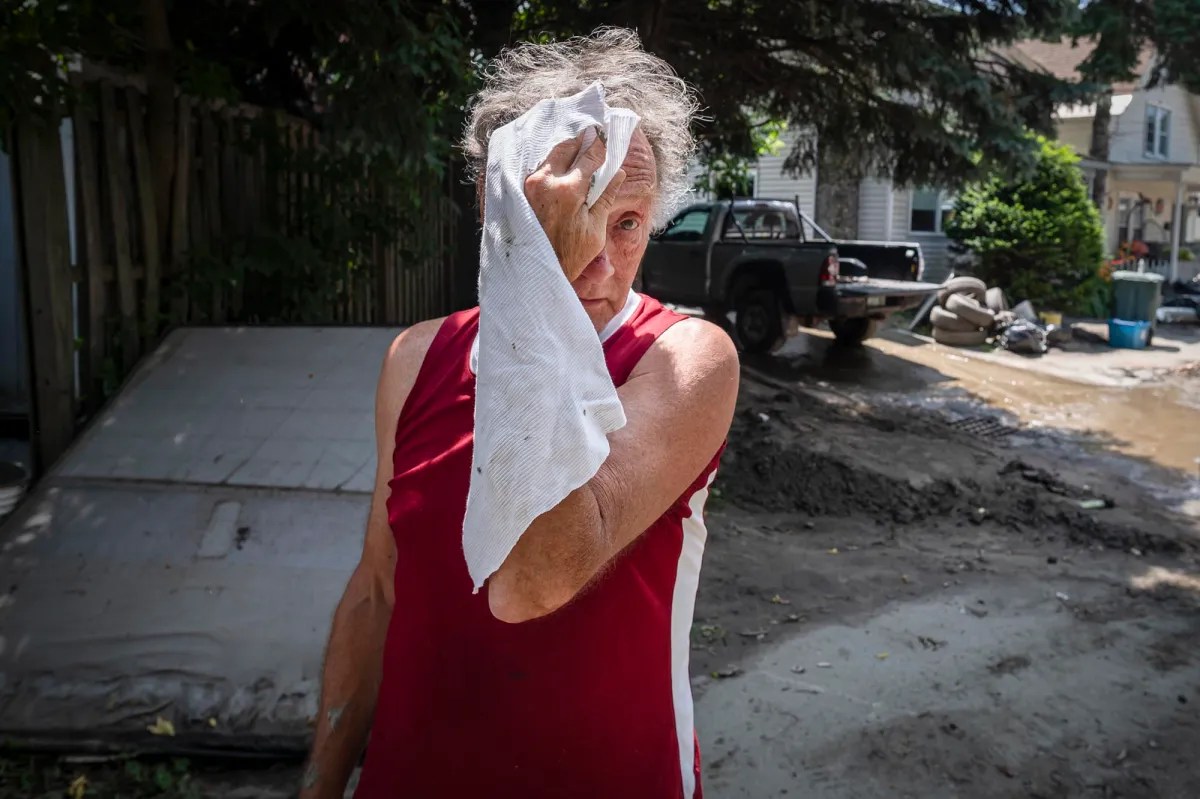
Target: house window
<point x="930" y="210"/>
<point x="1158" y="131"/>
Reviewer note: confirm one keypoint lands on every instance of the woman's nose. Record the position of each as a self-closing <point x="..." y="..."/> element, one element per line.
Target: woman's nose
<point x="599" y="269"/>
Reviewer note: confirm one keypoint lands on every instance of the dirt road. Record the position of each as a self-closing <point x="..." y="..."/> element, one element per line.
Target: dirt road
<point x="895" y="606"/>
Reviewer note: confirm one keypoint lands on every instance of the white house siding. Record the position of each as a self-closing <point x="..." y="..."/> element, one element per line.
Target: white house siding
<point x="773" y="184"/>
<point x="1128" y="143"/>
<point x="937" y="255"/>
<point x="873" y="224"/>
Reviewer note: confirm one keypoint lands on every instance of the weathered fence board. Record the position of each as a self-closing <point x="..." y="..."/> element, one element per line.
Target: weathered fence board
<point x="251" y="201"/>
<point x="91" y="247"/>
<point x="45" y="242"/>
<point x="147" y="217"/>
<point x="119" y="224"/>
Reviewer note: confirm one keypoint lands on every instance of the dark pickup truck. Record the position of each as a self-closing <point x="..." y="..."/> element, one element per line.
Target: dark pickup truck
<point x="771" y="265"/>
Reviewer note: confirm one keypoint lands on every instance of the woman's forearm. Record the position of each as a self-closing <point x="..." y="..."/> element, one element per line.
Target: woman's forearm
<point x="350" y="687"/>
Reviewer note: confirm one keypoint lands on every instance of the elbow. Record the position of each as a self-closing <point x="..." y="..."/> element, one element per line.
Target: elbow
<point x="516" y="604"/>
<point x="369" y="588"/>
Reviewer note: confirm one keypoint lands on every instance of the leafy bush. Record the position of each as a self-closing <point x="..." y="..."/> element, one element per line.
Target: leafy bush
<point x="1040" y="238"/>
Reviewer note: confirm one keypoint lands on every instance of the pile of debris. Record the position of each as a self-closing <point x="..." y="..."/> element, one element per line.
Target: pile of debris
<point x="1182" y="303"/>
<point x="968" y="314"/>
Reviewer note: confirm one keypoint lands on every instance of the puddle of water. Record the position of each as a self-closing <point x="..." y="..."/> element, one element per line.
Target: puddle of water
<point x="1155" y="422"/>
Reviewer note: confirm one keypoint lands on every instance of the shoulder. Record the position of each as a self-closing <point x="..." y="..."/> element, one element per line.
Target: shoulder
<point x="402" y="364"/>
<point x="694" y="353"/>
<point x="411" y="345"/>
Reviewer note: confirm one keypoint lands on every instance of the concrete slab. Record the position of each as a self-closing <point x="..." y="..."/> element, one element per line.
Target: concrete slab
<point x="185" y="557"/>
<point x="267" y="407"/>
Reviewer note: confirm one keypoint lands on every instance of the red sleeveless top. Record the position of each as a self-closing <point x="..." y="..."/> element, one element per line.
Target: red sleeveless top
<point x="590" y="702"/>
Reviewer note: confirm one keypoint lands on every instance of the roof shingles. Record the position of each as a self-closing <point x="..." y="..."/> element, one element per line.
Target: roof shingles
<point x="1062" y="59"/>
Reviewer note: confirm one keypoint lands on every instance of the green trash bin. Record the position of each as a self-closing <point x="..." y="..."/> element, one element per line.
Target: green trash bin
<point x="1136" y="296"/>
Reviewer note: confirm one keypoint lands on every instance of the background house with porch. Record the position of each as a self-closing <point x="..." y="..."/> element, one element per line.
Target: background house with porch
<point x="1153" y="187"/>
<point x="1153" y="172"/>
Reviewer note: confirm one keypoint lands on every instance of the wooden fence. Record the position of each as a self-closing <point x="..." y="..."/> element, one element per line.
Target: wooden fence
<point x="112" y="295"/>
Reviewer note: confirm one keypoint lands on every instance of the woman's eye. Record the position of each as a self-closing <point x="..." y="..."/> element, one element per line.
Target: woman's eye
<point x="629" y="224"/>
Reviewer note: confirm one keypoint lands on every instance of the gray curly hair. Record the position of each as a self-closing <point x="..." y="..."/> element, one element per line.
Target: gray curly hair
<point x="522" y="76"/>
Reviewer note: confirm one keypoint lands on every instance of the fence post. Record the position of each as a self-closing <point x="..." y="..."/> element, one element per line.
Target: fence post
<point x="126" y="288"/>
<point x="233" y="203"/>
<point x="212" y="203"/>
<point x="179" y="208"/>
<point x="95" y="330"/>
<point x="149" y="215"/>
<point x="46" y="260"/>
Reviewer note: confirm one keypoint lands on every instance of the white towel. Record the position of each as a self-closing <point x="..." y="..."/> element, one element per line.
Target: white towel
<point x="544" y="401"/>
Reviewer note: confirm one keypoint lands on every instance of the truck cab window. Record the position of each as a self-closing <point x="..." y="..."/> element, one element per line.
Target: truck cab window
<point x="769" y="223"/>
<point x="688" y="226"/>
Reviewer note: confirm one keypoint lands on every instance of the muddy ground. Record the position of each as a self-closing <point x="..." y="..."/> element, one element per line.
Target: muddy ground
<point x="893" y="606"/>
<point x="910" y="592"/>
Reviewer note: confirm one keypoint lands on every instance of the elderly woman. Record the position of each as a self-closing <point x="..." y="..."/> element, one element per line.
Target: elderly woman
<point x="568" y="675"/>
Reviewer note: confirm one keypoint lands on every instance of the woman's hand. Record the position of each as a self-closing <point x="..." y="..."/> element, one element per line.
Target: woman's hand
<point x="558" y="192"/>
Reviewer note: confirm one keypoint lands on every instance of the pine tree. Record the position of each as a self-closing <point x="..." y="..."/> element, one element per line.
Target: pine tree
<point x="912" y="88"/>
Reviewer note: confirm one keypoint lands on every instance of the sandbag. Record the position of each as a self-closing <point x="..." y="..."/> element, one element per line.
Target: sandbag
<point x="946" y="320"/>
<point x="956" y="338"/>
<point x="996" y="300"/>
<point x="971" y="286"/>
<point x="967" y="308"/>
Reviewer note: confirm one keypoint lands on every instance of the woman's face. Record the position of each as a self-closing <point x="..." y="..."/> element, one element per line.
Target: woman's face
<point x="603" y="285"/>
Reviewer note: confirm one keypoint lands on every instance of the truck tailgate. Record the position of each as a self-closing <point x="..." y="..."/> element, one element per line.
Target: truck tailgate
<point x="891" y="288"/>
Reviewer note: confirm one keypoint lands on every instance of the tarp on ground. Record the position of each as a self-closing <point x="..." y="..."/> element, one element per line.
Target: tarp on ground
<point x="184" y="558"/>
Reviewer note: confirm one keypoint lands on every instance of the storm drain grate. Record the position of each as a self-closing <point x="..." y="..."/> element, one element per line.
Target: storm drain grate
<point x="983" y="427"/>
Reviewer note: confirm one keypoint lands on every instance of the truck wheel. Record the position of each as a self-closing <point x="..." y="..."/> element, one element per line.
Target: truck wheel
<point x="759" y="322"/>
<point x="971" y="286"/>
<point x="853" y="332"/>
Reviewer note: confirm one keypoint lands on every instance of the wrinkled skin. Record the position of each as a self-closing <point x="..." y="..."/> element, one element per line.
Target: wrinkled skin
<point x="600" y="247"/>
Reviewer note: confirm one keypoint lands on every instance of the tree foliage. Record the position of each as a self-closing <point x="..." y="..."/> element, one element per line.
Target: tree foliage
<point x="384" y="83"/>
<point x="912" y="88"/>
<point x="725" y="175"/>
<point x="394" y="73"/>
<point x="1040" y="238"/>
<point x="1122" y="29"/>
